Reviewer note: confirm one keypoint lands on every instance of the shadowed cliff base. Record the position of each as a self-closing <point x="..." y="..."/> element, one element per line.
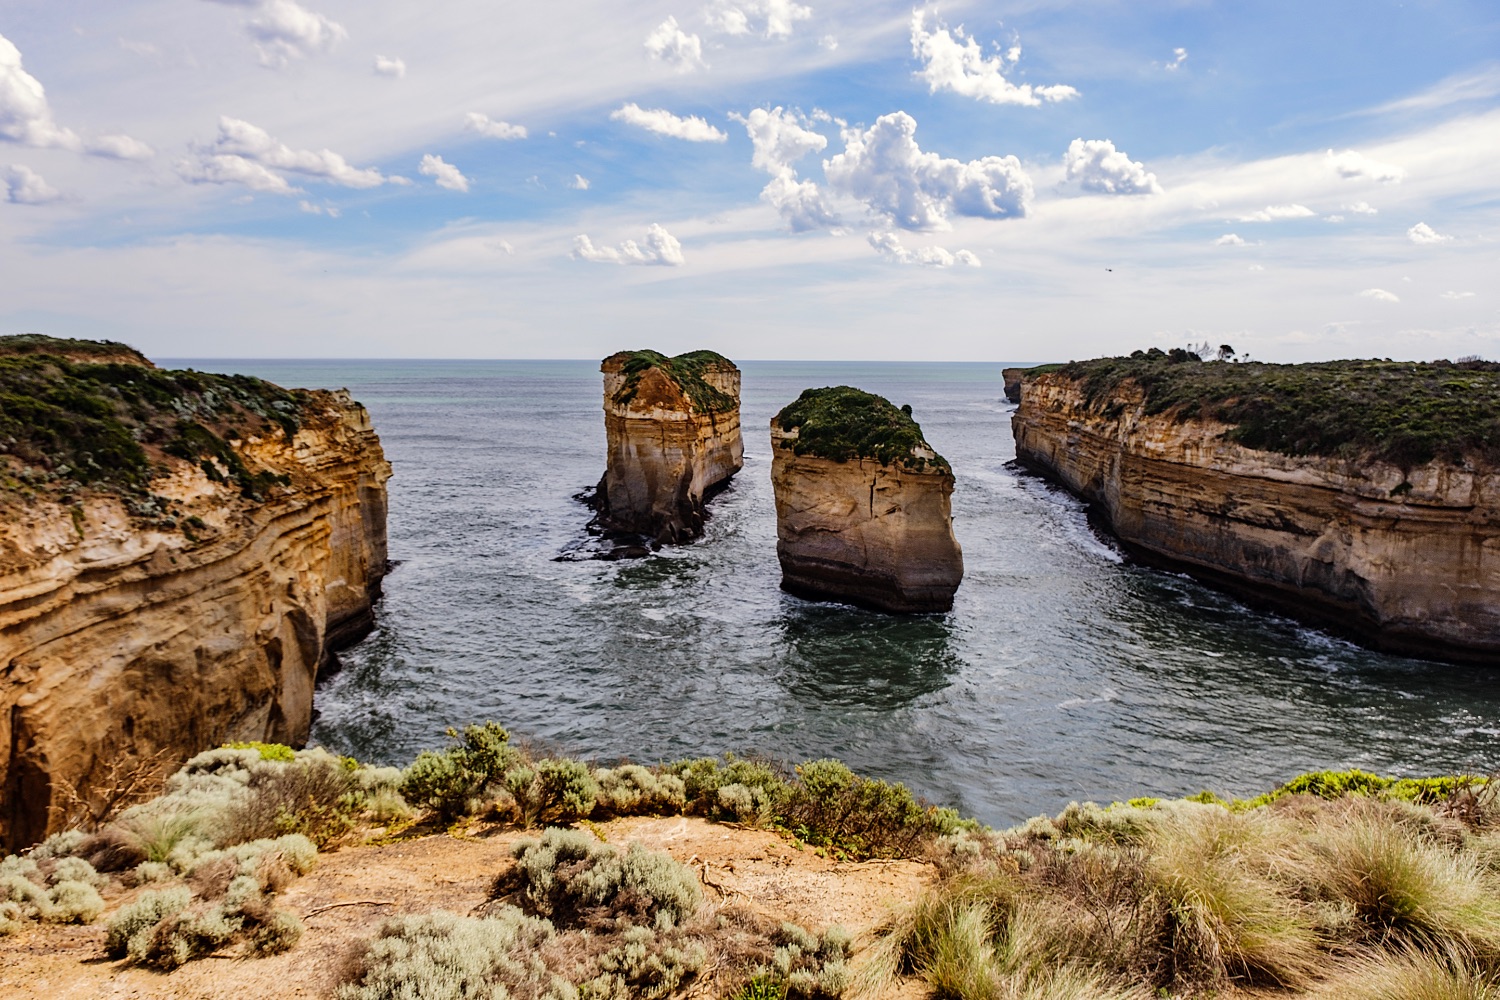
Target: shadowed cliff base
<point x="1359" y="496"/>
<point x="863" y="509"/>
<point x="673" y="435"/>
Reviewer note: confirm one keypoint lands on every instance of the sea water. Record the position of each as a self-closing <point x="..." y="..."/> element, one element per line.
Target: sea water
<point x="1063" y="671"/>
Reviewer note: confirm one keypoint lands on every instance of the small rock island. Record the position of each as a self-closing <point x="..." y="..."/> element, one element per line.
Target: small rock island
<point x="673" y="431"/>
<point x="863" y="504"/>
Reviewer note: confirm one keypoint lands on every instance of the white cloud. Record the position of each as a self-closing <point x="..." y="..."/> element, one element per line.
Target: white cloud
<point x="1352" y="165"/>
<point x="246" y="154"/>
<point x="324" y="209"/>
<point x="23" y="186"/>
<point x="1458" y="295"/>
<point x="891" y="249"/>
<point x="1380" y="295"/>
<point x="283" y="30"/>
<point x="390" y="66"/>
<point x="775" y="17"/>
<point x="663" y="122"/>
<point x="1098" y="166"/>
<point x="1179" y="56"/>
<point x="1229" y="240"/>
<point x="829" y="42"/>
<point x="446" y="175"/>
<point x="661" y="248"/>
<point x="1257" y="267"/>
<point x="780" y="139"/>
<point x="952" y="60"/>
<point x="491" y="129"/>
<point x="1424" y="235"/>
<point x="26" y="118"/>
<point x="884" y="168"/>
<point x="1275" y="213"/>
<point x="579" y="183"/>
<point x="1362" y="208"/>
<point x="675" y="47"/>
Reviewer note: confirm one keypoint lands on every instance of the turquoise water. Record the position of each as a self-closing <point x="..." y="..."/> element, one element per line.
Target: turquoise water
<point x="1063" y="672"/>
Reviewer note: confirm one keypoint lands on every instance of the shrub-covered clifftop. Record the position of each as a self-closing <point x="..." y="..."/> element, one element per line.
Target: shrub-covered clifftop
<point x="842" y="423"/>
<point x="1403" y="412"/>
<point x="687" y="370"/>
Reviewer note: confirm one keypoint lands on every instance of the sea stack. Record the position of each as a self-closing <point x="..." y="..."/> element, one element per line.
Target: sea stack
<point x="673" y="430"/>
<point x="863" y="504"/>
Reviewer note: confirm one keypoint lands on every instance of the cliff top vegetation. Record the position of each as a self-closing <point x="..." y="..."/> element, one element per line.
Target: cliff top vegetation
<point x="687" y="370"/>
<point x="841" y="422"/>
<point x="1403" y="412"/>
<point x="110" y="424"/>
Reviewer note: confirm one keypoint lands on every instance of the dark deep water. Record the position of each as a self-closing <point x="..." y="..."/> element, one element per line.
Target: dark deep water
<point x="1061" y="673"/>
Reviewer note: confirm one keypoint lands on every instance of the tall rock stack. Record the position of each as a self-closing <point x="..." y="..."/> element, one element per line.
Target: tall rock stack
<point x="673" y="430"/>
<point x="863" y="504"/>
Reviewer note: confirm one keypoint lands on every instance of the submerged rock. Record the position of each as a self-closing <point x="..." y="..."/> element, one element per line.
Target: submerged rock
<point x="863" y="508"/>
<point x="673" y="429"/>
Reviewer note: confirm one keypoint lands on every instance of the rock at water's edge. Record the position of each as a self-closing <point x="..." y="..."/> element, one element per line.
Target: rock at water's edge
<point x="673" y="432"/>
<point x="870" y="532"/>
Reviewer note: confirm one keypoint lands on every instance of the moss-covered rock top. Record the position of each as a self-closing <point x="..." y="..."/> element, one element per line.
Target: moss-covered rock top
<point x="110" y="425"/>
<point x="100" y="351"/>
<point x="687" y="370"/>
<point x="841" y="422"/>
<point x="1404" y="412"/>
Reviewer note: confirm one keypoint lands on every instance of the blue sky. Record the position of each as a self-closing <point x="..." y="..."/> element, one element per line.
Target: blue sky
<point x="773" y="179"/>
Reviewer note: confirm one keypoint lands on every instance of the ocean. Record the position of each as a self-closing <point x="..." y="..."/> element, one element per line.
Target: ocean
<point x="1062" y="673"/>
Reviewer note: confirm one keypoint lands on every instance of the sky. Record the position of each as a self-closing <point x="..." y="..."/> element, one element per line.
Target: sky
<point x="835" y="179"/>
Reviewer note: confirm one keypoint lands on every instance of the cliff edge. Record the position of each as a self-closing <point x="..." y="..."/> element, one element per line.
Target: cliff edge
<point x="179" y="554"/>
<point x="1364" y="495"/>
<point x="673" y="431"/>
<point x="863" y="504"/>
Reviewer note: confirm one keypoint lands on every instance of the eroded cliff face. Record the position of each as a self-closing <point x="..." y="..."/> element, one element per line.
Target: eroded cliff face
<point x="863" y="531"/>
<point x="668" y="452"/>
<point x="1408" y="562"/>
<point x="118" y="639"/>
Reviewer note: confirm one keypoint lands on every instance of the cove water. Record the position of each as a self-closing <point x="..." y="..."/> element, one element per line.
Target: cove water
<point x="1063" y="672"/>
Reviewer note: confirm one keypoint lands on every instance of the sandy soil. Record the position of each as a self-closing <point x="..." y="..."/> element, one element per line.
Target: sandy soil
<point x="349" y="895"/>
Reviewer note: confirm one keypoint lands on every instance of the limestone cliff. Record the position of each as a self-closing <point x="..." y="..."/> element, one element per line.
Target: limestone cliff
<point x="863" y="504"/>
<point x="1403" y="554"/>
<point x="673" y="432"/>
<point x="174" y="574"/>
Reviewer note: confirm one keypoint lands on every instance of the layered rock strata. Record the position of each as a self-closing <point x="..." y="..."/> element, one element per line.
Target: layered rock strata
<point x="863" y="505"/>
<point x="673" y="432"/>
<point x="1404" y="560"/>
<point x="193" y="610"/>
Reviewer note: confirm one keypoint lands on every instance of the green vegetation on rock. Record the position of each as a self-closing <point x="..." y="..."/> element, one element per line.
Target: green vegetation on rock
<point x="842" y="423"/>
<point x="1405" y="413"/>
<point x="101" y="351"/>
<point x="107" y="424"/>
<point x="686" y="370"/>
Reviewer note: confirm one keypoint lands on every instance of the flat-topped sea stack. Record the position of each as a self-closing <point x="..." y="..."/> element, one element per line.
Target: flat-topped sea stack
<point x="863" y="504"/>
<point x="673" y="430"/>
<point x="1360" y="494"/>
<point x="179" y="554"/>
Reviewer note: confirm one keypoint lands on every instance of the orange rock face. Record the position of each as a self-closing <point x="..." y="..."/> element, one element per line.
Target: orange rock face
<point x="118" y="641"/>
<point x="667" y="453"/>
<point x="1406" y="562"/>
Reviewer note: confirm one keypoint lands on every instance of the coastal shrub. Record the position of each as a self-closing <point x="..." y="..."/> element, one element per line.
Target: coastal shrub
<point x="131" y="927"/>
<point x="313" y="793"/>
<point x="60" y="845"/>
<point x="633" y="790"/>
<point x="267" y="751"/>
<point x="842" y="423"/>
<point x="831" y="806"/>
<point x="702" y="777"/>
<point x="59" y="891"/>
<point x="574" y="879"/>
<point x="453" y="782"/>
<point x="643" y="964"/>
<point x="553" y="791"/>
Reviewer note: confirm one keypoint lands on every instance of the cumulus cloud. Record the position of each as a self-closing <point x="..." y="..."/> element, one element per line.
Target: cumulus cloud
<point x="390" y="66"/>
<point x="660" y="247"/>
<point x="283" y="30"/>
<point x="1229" y="240"/>
<point x="324" y="209"/>
<point x="884" y="168"/>
<point x="675" y="47"/>
<point x="1424" y="235"/>
<point x="1352" y="165"/>
<point x="1179" y="56"/>
<point x="24" y="186"/>
<point x="1361" y="208"/>
<point x="26" y="118"/>
<point x="1098" y="166"/>
<point x="663" y="122"/>
<point x="771" y="18"/>
<point x="1458" y="295"/>
<point x="579" y="183"/>
<point x="953" y="60"/>
<point x="444" y="174"/>
<point x="1380" y="295"/>
<point x="780" y="138"/>
<point x="247" y="154"/>
<point x="1275" y="213"/>
<point x="891" y="249"/>
<point x="491" y="129"/>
